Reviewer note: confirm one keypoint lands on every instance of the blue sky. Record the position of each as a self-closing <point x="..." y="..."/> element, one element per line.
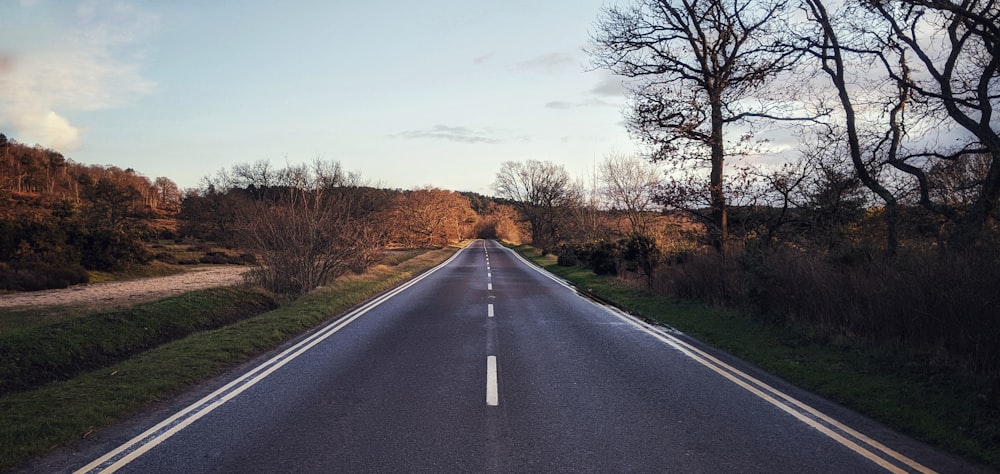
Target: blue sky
<point x="408" y="93"/>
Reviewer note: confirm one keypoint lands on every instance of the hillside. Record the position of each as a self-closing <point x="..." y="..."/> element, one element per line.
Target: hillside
<point x="59" y="219"/>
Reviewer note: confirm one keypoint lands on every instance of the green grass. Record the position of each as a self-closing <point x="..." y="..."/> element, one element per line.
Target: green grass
<point x="35" y="421"/>
<point x="12" y="319"/>
<point x="38" y="355"/>
<point x="944" y="409"/>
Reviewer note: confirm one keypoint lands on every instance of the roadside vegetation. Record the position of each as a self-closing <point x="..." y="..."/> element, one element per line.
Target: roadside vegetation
<point x="35" y="356"/>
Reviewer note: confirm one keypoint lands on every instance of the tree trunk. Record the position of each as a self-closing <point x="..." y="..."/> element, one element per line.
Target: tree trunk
<point x="833" y="64"/>
<point x="719" y="214"/>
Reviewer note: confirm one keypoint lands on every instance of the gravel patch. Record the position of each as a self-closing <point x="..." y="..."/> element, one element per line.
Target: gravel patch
<point x="144" y="289"/>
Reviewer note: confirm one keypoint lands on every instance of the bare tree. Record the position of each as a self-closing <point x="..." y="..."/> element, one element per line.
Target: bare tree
<point x="588" y="222"/>
<point x="629" y="185"/>
<point x="957" y="183"/>
<point x="498" y="221"/>
<point x="430" y="217"/>
<point x="169" y="193"/>
<point x="700" y="67"/>
<point x="937" y="74"/>
<point x="543" y="193"/>
<point x="955" y="69"/>
<point x="301" y="221"/>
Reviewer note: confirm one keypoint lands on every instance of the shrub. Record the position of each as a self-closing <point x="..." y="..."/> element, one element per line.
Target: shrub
<point x="603" y="259"/>
<point x="215" y="258"/>
<point x="640" y="253"/>
<point x="166" y="257"/>
<point x="702" y="276"/>
<point x="566" y="260"/>
<point x="166" y="234"/>
<point x="107" y="249"/>
<point x="600" y="256"/>
<point x="43" y="277"/>
<point x="566" y="256"/>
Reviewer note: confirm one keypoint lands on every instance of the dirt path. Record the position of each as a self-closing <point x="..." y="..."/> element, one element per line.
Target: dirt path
<point x="130" y="291"/>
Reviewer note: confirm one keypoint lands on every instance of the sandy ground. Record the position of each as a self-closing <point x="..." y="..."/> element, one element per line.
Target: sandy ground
<point x="130" y="291"/>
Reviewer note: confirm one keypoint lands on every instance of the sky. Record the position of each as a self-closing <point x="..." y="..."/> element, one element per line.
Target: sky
<point x="410" y="94"/>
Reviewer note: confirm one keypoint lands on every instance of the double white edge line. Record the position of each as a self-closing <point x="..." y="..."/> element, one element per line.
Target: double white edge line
<point x="149" y="439"/>
<point x="843" y="434"/>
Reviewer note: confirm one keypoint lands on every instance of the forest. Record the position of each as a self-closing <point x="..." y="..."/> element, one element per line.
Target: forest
<point x="59" y="219"/>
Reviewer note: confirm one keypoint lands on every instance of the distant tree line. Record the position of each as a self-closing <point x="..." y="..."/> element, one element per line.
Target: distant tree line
<point x="298" y="225"/>
<point x="33" y="171"/>
<point x="310" y="223"/>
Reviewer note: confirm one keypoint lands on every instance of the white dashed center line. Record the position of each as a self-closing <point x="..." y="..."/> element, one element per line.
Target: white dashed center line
<point x="492" y="394"/>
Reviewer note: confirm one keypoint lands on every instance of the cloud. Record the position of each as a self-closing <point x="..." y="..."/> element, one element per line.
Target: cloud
<point x="88" y="63"/>
<point x="552" y="63"/>
<point x="607" y="93"/>
<point x="590" y="102"/>
<point x="483" y="59"/>
<point x="609" y="86"/>
<point x="454" y="134"/>
<point x="51" y="129"/>
<point x="560" y="105"/>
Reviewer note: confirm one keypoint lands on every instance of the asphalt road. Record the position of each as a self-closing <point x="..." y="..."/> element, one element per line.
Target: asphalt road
<point x="488" y="365"/>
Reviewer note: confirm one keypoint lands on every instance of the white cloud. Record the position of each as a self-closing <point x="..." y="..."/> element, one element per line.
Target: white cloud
<point x="454" y="134"/>
<point x="552" y="63"/>
<point x="560" y="105"/>
<point x="609" y="86"/>
<point x="589" y="102"/>
<point x="607" y="93"/>
<point x="483" y="59"/>
<point x="51" y="129"/>
<point x="86" y="65"/>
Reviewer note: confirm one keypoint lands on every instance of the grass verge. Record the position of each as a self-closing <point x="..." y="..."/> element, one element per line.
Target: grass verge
<point x="36" y="421"/>
<point x="38" y="355"/>
<point x="943" y="409"/>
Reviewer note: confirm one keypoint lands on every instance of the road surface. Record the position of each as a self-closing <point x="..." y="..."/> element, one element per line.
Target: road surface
<point x="488" y="365"/>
